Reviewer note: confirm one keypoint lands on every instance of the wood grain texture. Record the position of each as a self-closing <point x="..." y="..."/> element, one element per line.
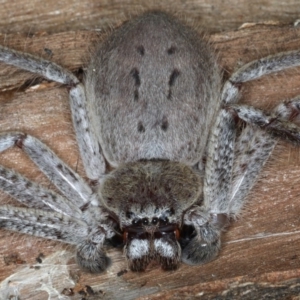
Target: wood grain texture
<point x="52" y="16"/>
<point x="260" y="254"/>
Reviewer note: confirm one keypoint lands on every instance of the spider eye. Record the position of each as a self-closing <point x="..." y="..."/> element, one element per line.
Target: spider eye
<point x="129" y="214"/>
<point x="136" y="222"/>
<point x="163" y="221"/>
<point x="145" y="221"/>
<point x="154" y="221"/>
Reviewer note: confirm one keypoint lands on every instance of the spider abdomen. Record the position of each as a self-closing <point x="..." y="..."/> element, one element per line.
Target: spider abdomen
<point x="151" y="88"/>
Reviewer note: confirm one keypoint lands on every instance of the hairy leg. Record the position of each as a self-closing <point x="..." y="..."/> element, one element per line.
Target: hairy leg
<point x="228" y="178"/>
<point x="63" y="177"/>
<point x="91" y="152"/>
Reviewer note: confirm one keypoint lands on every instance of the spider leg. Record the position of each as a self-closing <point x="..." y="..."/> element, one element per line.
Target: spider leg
<point x="63" y="177"/>
<point x="276" y="123"/>
<point x="89" y="147"/>
<point x="34" y="195"/>
<point x="256" y="69"/>
<point x="37" y="222"/>
<point x="253" y="148"/>
<point x="209" y="218"/>
<point x="218" y="169"/>
<point x="271" y="123"/>
<point x="222" y="179"/>
<point x="56" y="226"/>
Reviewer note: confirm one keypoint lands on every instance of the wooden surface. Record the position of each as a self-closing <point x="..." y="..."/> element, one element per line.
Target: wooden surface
<point x="29" y="17"/>
<point x="260" y="254"/>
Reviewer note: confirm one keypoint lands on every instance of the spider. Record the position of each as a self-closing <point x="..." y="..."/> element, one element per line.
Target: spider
<point x="159" y="135"/>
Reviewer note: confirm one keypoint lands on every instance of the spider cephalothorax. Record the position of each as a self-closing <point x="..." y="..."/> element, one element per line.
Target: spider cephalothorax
<point x="149" y="199"/>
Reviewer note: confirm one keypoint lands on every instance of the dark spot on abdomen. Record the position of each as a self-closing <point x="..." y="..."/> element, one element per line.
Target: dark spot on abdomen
<point x="173" y="77"/>
<point x="141" y="50"/>
<point x="171" y="50"/>
<point x="136" y="75"/>
<point x="137" y="82"/>
<point x="171" y="82"/>
<point x="164" y="123"/>
<point x="140" y="127"/>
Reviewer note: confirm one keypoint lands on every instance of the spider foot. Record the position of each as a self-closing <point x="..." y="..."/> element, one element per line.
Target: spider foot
<point x="203" y="247"/>
<point x="91" y="257"/>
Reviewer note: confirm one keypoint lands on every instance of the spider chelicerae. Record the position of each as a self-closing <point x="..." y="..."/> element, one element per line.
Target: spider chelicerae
<point x="158" y="134"/>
